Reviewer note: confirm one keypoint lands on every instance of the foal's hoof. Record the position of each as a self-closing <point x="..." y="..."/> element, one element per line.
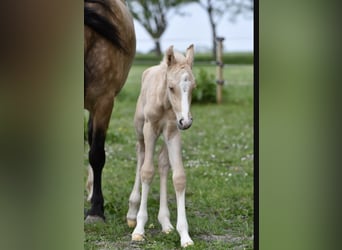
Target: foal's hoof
<point x="91" y="219"/>
<point x="190" y="243"/>
<point x="137" y="237"/>
<point x="131" y="223"/>
<point x="167" y="231"/>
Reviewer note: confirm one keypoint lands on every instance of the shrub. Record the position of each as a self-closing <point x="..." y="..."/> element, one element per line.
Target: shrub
<point x="205" y="91"/>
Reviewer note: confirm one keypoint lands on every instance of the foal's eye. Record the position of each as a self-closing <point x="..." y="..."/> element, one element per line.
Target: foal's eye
<point x="171" y="88"/>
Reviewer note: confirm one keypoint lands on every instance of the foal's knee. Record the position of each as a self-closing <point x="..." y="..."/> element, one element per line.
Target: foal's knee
<point x="179" y="181"/>
<point x="147" y="174"/>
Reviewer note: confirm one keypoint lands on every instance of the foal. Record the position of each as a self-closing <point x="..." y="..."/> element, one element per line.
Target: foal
<point x="163" y="107"/>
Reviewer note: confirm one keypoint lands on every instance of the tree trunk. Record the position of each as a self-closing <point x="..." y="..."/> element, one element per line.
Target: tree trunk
<point x="157" y="48"/>
<point x="213" y="27"/>
<point x="213" y="31"/>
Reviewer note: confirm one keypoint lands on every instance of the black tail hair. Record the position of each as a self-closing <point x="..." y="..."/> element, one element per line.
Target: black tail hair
<point x="102" y="25"/>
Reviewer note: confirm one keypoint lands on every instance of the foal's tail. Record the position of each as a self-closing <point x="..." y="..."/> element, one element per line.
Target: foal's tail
<point x="101" y="24"/>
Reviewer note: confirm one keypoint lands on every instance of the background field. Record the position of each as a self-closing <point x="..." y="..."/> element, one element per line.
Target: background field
<point x="218" y="160"/>
<point x="236" y="58"/>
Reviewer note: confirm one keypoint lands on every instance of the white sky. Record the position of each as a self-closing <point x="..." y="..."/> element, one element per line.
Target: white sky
<point x="194" y="28"/>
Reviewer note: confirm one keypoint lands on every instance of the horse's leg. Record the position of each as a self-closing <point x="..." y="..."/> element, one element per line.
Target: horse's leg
<point x="179" y="182"/>
<point x="146" y="173"/>
<point x="97" y="158"/>
<point x="134" y="198"/>
<point x="164" y="213"/>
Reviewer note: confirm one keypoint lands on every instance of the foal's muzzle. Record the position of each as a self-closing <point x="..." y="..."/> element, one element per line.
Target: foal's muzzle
<point x="184" y="123"/>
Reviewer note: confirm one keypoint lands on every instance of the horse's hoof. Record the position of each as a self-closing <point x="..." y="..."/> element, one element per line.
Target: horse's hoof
<point x="190" y="243"/>
<point x="91" y="219"/>
<point x="131" y="223"/>
<point x="137" y="237"/>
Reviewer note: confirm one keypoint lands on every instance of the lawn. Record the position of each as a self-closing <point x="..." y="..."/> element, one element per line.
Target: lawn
<point x="218" y="159"/>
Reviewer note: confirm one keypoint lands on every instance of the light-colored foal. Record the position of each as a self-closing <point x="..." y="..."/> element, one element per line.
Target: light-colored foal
<point x="163" y="108"/>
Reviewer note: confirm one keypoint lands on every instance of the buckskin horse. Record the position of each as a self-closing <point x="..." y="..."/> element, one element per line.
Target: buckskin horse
<point x="109" y="49"/>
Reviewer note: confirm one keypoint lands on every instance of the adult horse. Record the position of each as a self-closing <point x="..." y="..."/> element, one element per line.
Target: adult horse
<point x="109" y="49"/>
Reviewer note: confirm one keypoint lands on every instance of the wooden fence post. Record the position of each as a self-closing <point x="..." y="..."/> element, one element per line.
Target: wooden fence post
<point x="219" y="69"/>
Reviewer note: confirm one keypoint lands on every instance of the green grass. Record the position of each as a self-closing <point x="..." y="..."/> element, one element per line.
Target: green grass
<point x="218" y="160"/>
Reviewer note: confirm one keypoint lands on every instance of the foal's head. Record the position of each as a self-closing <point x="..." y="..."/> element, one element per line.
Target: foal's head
<point x="180" y="83"/>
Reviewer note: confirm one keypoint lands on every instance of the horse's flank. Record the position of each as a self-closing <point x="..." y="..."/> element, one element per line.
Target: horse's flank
<point x="106" y="63"/>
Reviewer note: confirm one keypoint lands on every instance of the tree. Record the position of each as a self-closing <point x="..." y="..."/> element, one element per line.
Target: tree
<point x="217" y="9"/>
<point x="153" y="15"/>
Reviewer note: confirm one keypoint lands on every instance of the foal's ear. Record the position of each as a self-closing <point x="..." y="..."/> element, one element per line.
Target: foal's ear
<point x="170" y="57"/>
<point x="190" y="55"/>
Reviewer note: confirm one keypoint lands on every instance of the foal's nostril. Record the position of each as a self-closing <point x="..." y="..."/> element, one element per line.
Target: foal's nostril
<point x="181" y="121"/>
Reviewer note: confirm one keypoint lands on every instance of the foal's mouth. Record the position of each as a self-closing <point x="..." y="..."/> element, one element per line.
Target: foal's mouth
<point x="183" y="127"/>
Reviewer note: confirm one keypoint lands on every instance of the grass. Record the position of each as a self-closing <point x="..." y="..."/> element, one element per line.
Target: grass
<point x="218" y="160"/>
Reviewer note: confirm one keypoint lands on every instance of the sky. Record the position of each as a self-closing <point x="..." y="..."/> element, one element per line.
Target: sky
<point x="194" y="28"/>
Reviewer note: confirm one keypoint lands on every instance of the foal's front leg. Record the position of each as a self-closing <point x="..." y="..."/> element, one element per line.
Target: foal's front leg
<point x="146" y="174"/>
<point x="179" y="183"/>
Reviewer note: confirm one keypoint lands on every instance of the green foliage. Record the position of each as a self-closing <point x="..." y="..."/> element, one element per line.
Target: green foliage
<point x="238" y="58"/>
<point x="205" y="91"/>
<point x="154" y="16"/>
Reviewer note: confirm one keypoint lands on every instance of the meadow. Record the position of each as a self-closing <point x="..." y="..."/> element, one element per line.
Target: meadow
<point x="218" y="160"/>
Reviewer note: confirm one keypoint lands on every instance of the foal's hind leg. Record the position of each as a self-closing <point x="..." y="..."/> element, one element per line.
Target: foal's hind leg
<point x="90" y="183"/>
<point x="90" y="180"/>
<point x="164" y="213"/>
<point x="134" y="198"/>
<point x="147" y="173"/>
<point x="97" y="158"/>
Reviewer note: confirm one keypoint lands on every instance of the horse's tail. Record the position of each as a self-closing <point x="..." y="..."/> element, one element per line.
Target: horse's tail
<point x="101" y="24"/>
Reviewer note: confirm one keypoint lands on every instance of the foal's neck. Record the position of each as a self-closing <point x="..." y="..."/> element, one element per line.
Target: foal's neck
<point x="164" y="95"/>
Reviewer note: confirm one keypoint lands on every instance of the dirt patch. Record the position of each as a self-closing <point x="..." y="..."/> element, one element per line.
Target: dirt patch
<point x="123" y="243"/>
<point x="225" y="238"/>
